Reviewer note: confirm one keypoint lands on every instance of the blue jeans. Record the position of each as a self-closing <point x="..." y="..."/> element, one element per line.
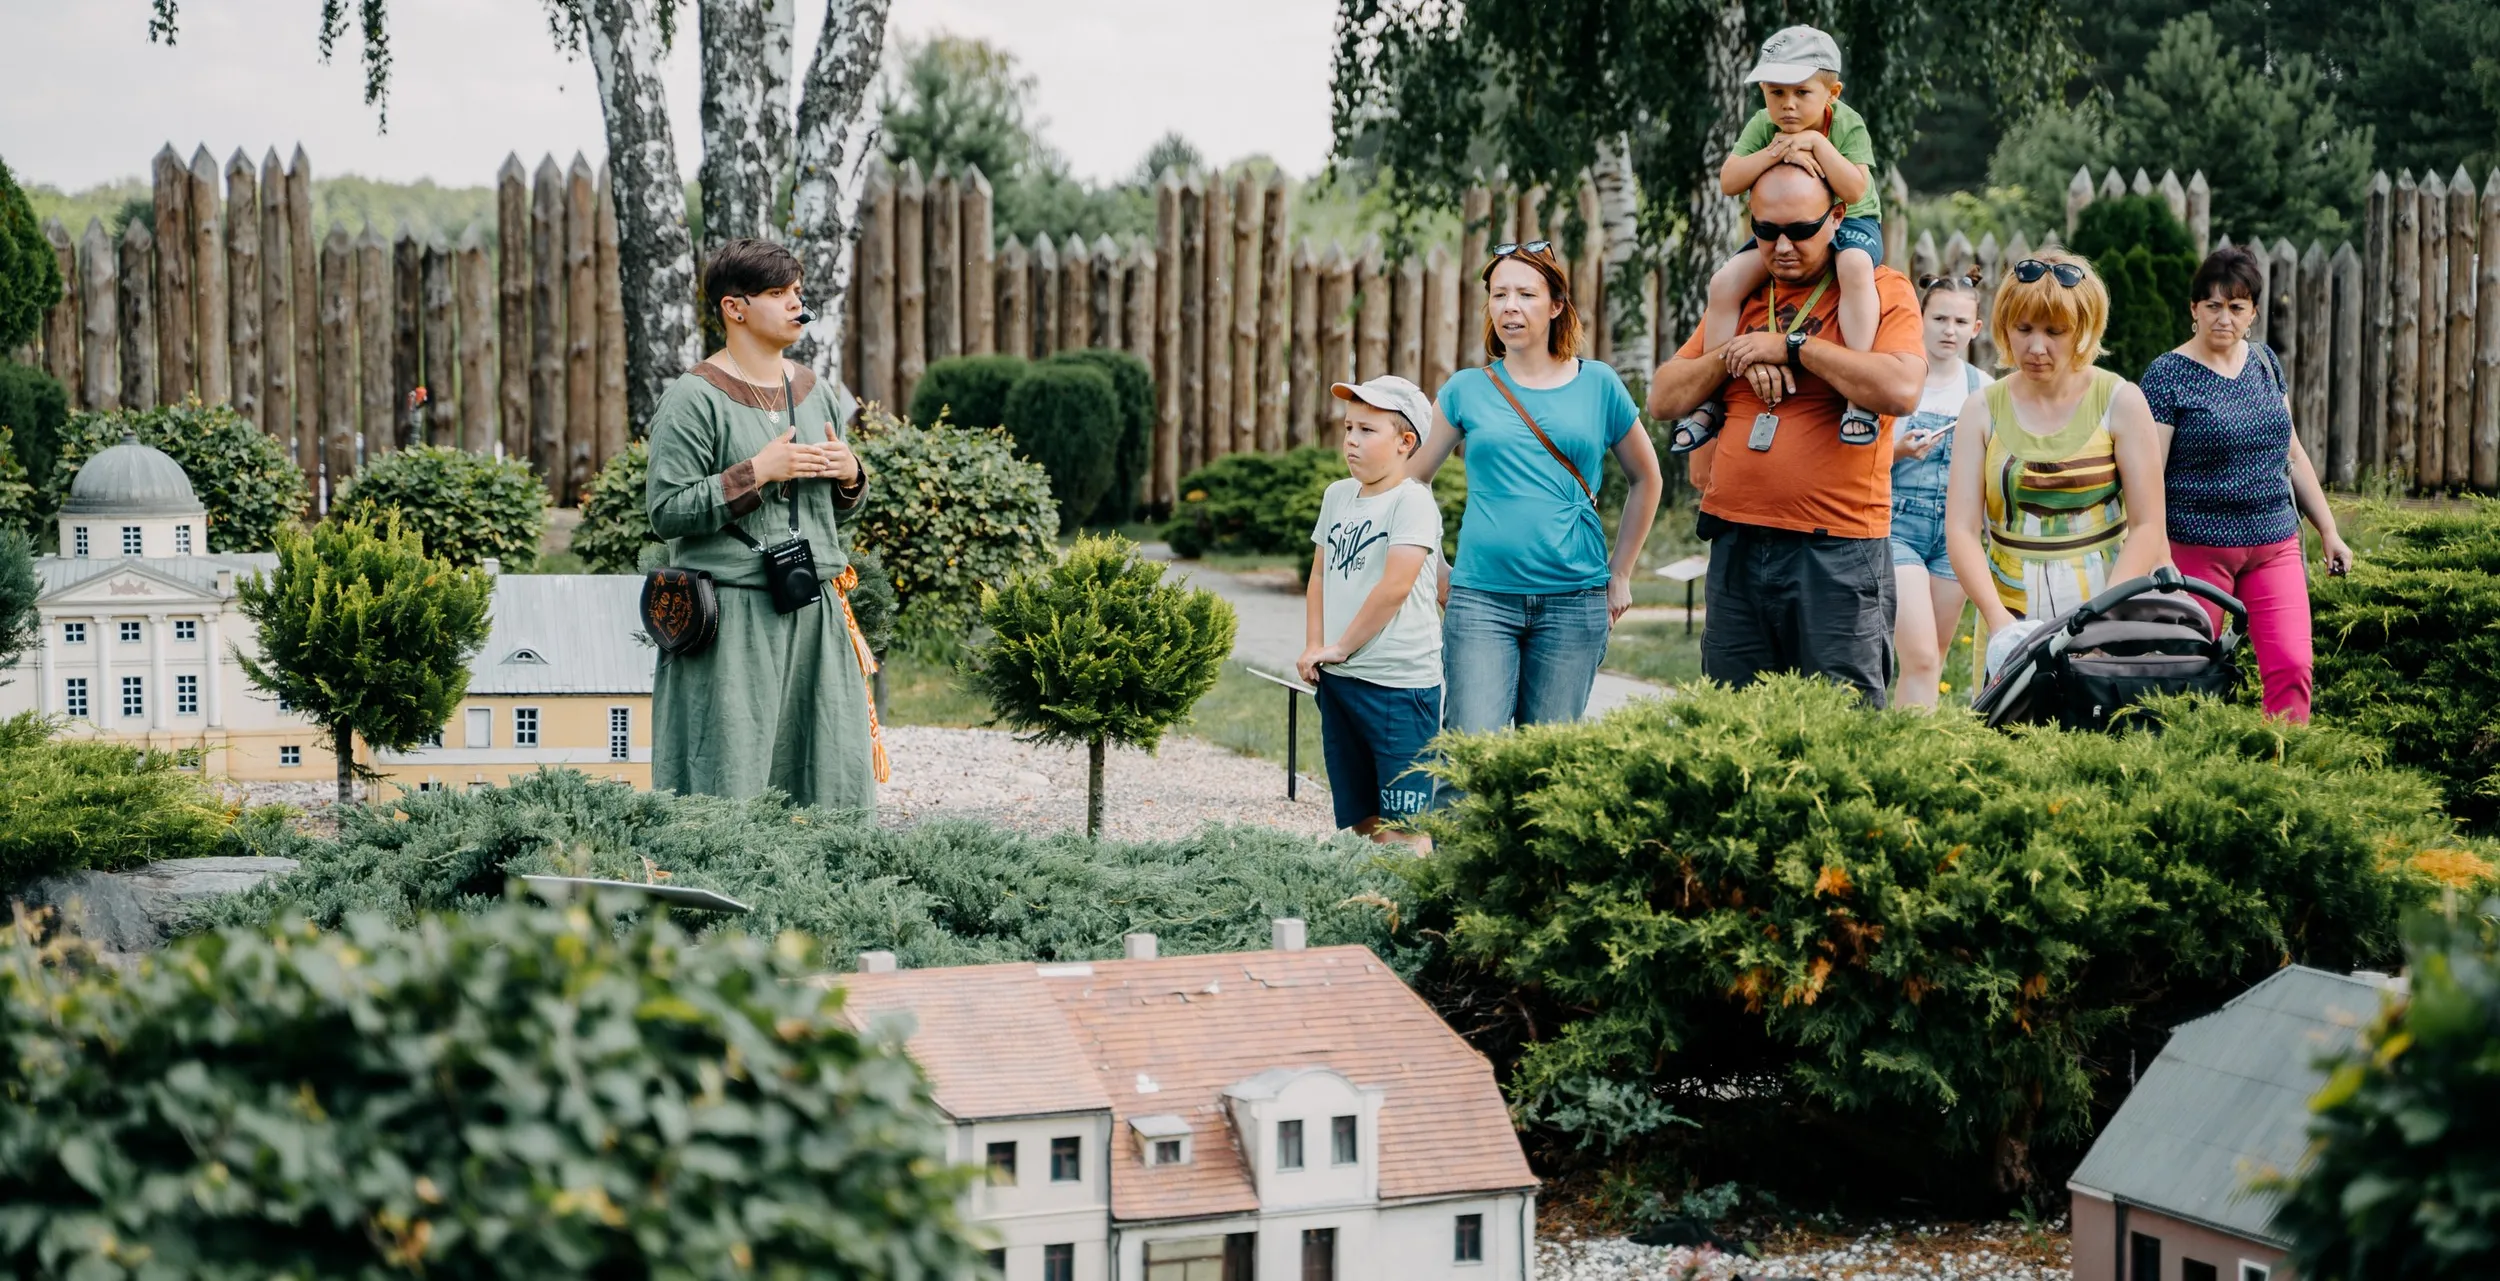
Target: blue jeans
<point x="1510" y="658"/>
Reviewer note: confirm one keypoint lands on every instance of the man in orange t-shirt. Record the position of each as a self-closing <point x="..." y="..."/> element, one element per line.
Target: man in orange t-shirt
<point x="1798" y="521"/>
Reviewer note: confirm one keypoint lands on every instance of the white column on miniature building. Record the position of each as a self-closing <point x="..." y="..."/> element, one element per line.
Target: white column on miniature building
<point x="215" y="678"/>
<point x="100" y="635"/>
<point x="47" y="699"/>
<point x="158" y="690"/>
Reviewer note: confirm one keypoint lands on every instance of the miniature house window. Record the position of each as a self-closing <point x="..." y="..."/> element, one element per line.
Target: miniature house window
<point x="481" y="731"/>
<point x="1342" y="1149"/>
<point x="1003" y="1164"/>
<point x="186" y="629"/>
<point x="1167" y="1152"/>
<point x="2198" y="1270"/>
<point x="2143" y="1257"/>
<point x="132" y="544"/>
<point x="1288" y="1145"/>
<point x="1163" y="1138"/>
<point x="1059" y="1262"/>
<point x="1467" y="1243"/>
<point x="74" y="696"/>
<point x="1319" y="1254"/>
<point x="525" y="727"/>
<point x="73" y="633"/>
<point x="1066" y="1165"/>
<point x="134" y="696"/>
<point x="130" y="633"/>
<point x="182" y="540"/>
<point x="2255" y="1271"/>
<point x="186" y="696"/>
<point x="525" y="655"/>
<point x="78" y="540"/>
<point x="620" y="733"/>
<point x="290" y="755"/>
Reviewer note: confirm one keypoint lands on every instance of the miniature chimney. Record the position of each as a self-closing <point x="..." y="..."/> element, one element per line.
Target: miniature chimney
<point x="225" y="583"/>
<point x="1286" y="933"/>
<point x="876" y="962"/>
<point x="493" y="565"/>
<point x="1141" y="947"/>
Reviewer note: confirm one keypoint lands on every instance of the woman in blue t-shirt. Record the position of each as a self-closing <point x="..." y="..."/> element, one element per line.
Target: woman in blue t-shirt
<point x="1533" y="593"/>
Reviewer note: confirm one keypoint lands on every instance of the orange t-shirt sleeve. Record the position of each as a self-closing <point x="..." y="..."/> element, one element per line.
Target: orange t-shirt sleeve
<point x="1691" y="347"/>
<point x="1897" y="328"/>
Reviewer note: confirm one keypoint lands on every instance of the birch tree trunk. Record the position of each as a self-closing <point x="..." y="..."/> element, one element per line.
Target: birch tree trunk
<point x="1710" y="218"/>
<point x="826" y="178"/>
<point x="1625" y="267"/>
<point x="745" y="114"/>
<point x="654" y="252"/>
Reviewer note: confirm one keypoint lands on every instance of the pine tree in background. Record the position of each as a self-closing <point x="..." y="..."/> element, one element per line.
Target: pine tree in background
<point x="1098" y="649"/>
<point x="30" y="279"/>
<point x="364" y="633"/>
<point x="20" y="623"/>
<point x="2146" y="259"/>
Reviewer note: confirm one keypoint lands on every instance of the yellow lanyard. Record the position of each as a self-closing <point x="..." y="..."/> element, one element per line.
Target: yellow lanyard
<point x="1771" y="319"/>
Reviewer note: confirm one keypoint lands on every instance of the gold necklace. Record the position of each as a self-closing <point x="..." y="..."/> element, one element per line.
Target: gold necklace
<point x="772" y="416"/>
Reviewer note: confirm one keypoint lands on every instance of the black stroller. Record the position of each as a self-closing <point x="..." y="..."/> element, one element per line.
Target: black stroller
<point x="2114" y="649"/>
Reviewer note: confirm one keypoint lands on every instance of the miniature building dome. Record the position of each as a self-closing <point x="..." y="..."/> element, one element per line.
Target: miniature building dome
<point x="131" y="479"/>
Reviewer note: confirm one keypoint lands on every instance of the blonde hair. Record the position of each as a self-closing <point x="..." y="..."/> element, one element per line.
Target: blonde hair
<point x="1563" y="338"/>
<point x="2082" y="310"/>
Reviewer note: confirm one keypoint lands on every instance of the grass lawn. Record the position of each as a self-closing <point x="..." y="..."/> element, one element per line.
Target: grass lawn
<point x="1242" y="712"/>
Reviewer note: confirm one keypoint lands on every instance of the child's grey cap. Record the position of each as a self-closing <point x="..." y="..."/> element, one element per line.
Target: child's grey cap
<point x="1793" y="55"/>
<point x="1396" y="395"/>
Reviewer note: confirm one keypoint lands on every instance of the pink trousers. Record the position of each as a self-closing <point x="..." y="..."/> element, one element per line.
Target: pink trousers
<point x="2273" y="581"/>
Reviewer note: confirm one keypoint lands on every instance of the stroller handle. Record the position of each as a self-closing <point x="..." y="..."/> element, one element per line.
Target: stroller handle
<point x="2164" y="578"/>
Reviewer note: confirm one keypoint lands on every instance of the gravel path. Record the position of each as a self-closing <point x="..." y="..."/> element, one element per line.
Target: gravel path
<point x="1987" y="1254"/>
<point x="986" y="774"/>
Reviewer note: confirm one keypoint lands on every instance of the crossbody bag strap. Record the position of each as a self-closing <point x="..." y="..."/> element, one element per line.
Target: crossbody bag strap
<point x="1522" y="410"/>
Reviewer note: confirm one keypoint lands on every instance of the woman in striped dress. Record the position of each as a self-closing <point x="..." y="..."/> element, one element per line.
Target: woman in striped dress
<point x="2063" y="493"/>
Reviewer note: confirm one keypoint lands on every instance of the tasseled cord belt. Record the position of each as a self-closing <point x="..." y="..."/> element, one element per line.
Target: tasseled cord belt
<point x="844" y="584"/>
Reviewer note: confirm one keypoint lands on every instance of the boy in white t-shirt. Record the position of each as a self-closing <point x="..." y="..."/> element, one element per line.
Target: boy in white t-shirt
<point x="1372" y="621"/>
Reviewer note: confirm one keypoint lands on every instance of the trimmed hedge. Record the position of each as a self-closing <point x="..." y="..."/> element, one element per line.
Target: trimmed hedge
<point x="518" y="1093"/>
<point x="968" y="391"/>
<point x="1943" y="939"/>
<point x="2146" y="258"/>
<point x="243" y="475"/>
<point x="1133" y="452"/>
<point x="464" y="507"/>
<point x="616" y="523"/>
<point x="948" y="510"/>
<point x="1267" y="504"/>
<point x="943" y="893"/>
<point x="2408" y="650"/>
<point x="1067" y="418"/>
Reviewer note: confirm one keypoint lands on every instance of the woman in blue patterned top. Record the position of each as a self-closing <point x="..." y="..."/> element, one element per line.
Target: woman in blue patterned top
<point x="2237" y="479"/>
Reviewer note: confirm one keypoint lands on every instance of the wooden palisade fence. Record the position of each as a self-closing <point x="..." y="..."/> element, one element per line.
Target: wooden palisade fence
<point x="519" y="342"/>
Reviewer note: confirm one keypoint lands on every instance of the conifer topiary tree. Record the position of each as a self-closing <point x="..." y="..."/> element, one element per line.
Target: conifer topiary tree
<point x="968" y="391"/>
<point x="1098" y="649"/>
<point x="1067" y="418"/>
<point x="466" y="507"/>
<point x="365" y="633"/>
<point x="1133" y="449"/>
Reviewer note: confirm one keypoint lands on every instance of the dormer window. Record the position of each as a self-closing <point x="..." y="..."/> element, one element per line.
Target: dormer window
<point x="132" y="544"/>
<point x="1288" y="1145"/>
<point x="526" y="655"/>
<point x="1342" y="1148"/>
<point x="1163" y="1138"/>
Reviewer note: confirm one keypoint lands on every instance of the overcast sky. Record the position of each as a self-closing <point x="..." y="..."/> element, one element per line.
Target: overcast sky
<point x="85" y="98"/>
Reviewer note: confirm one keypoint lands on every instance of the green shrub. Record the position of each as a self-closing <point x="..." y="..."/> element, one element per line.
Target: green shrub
<point x="1098" y="649"/>
<point x="942" y="893"/>
<point x="35" y="408"/>
<point x="2408" y="649"/>
<point x="518" y="1093"/>
<point x="18" y="514"/>
<point x="465" y="507"/>
<point x="1267" y="504"/>
<point x="2405" y="1180"/>
<point x="2146" y="257"/>
<point x="1928" y="931"/>
<point x="1134" y="383"/>
<point x="72" y="804"/>
<point x="948" y="510"/>
<point x="243" y="475"/>
<point x="970" y="391"/>
<point x="21" y="622"/>
<point x="30" y="277"/>
<point x="1067" y="418"/>
<point x="616" y="519"/>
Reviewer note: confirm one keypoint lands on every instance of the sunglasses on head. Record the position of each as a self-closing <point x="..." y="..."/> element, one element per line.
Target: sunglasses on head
<point x="1969" y="284"/>
<point x="1770" y="233"/>
<point x="2068" y="274"/>
<point x="1518" y="247"/>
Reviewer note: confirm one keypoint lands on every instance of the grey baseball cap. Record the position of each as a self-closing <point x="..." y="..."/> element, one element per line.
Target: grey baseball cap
<point x="1396" y="395"/>
<point x="1793" y="55"/>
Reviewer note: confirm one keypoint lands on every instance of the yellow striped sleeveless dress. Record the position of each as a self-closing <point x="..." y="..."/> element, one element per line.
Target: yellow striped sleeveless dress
<point x="2055" y="513"/>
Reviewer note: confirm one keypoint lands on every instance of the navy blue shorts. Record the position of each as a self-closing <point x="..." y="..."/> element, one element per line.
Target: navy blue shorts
<point x="1855" y="233"/>
<point x="1374" y="738"/>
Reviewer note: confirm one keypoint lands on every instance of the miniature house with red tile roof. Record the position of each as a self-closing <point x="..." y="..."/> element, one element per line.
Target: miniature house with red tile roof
<point x="1287" y="1115"/>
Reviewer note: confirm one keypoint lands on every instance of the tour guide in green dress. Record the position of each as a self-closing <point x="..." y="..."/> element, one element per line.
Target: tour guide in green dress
<point x="779" y="700"/>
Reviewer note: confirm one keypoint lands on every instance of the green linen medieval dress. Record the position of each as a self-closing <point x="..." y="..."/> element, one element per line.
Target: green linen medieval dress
<point x="779" y="700"/>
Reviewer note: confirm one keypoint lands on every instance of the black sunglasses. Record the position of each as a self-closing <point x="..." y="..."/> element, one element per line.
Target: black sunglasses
<point x="1969" y="284"/>
<point x="1770" y="233"/>
<point x="2068" y="274"/>
<point x="1532" y="247"/>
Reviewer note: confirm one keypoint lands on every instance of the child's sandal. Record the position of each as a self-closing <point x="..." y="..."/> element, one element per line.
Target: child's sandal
<point x="1696" y="429"/>
<point x="1858" y="427"/>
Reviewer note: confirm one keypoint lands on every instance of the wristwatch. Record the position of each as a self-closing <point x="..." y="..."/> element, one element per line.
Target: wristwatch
<point x="1796" y="343"/>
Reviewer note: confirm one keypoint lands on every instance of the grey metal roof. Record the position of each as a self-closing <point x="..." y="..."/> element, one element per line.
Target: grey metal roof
<point x="2228" y="1100"/>
<point x="60" y="573"/>
<point x="131" y="479"/>
<point x="565" y="634"/>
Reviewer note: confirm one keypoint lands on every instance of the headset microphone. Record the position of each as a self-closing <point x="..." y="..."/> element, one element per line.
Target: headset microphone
<point x="806" y="317"/>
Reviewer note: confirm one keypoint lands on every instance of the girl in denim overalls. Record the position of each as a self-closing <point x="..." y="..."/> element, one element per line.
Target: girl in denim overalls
<point x="1930" y="598"/>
